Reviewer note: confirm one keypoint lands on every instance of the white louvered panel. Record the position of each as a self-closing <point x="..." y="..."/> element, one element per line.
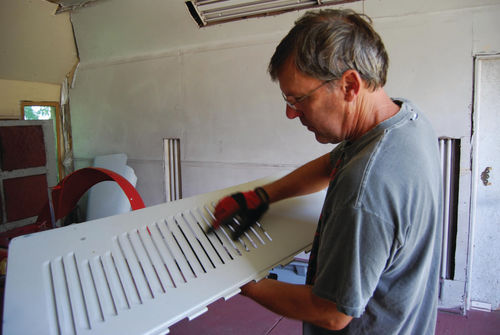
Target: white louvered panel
<point x="140" y="272"/>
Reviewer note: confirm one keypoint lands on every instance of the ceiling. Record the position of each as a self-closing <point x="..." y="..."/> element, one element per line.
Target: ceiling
<point x="65" y="5"/>
<point x="37" y="46"/>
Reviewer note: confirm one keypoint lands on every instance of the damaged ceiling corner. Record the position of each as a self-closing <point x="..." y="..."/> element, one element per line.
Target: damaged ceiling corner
<point x="70" y="5"/>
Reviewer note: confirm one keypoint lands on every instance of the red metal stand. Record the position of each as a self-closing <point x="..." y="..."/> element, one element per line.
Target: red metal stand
<point x="65" y="196"/>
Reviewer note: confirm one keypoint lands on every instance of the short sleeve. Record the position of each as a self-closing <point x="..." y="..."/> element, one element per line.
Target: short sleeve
<point x="354" y="248"/>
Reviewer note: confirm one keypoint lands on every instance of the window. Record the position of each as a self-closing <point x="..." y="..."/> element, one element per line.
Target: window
<point x="35" y="110"/>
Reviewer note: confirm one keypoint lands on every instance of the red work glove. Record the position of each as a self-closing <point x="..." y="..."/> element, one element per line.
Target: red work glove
<point x="247" y="208"/>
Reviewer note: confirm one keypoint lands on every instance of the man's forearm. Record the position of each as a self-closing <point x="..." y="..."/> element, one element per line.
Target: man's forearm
<point x="296" y="302"/>
<point x="309" y="178"/>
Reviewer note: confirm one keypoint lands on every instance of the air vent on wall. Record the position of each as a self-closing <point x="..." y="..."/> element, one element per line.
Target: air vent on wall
<point x="208" y="12"/>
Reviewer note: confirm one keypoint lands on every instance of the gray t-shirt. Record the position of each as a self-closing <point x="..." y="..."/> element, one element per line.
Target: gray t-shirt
<point x="380" y="229"/>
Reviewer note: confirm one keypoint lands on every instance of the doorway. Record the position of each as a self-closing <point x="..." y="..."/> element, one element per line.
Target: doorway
<point x="484" y="285"/>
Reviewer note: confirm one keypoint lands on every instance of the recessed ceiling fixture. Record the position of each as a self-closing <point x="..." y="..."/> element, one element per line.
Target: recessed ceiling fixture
<point x="208" y="12"/>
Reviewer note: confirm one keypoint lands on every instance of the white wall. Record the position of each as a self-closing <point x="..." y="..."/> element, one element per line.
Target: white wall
<point x="216" y="97"/>
<point x="223" y="118"/>
<point x="148" y="72"/>
<point x="12" y="92"/>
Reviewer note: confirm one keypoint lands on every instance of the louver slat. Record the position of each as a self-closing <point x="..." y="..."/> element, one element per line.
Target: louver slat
<point x="140" y="272"/>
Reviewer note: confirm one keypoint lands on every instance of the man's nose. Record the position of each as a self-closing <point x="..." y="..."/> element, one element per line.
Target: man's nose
<point x="291" y="113"/>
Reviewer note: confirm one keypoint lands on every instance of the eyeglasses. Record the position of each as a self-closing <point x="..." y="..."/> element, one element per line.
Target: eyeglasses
<point x="302" y="98"/>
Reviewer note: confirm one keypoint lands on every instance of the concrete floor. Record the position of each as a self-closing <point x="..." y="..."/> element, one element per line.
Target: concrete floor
<point x="242" y="316"/>
<point x="475" y="322"/>
<point x="239" y="315"/>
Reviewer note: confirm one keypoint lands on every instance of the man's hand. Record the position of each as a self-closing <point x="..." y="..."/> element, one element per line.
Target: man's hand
<point x="241" y="210"/>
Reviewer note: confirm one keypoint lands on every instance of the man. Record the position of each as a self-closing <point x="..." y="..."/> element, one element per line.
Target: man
<point x="375" y="259"/>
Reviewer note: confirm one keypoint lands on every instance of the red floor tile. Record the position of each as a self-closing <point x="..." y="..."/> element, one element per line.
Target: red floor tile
<point x="239" y="315"/>
<point x="242" y="316"/>
<point x="475" y="322"/>
<point x="288" y="327"/>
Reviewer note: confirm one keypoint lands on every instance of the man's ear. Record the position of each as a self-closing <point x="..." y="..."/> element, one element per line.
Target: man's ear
<point x="351" y="84"/>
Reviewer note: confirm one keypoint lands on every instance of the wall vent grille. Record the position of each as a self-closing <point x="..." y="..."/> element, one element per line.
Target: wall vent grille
<point x="449" y="149"/>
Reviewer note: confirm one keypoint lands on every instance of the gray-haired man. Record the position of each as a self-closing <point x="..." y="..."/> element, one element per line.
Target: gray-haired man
<point x="375" y="259"/>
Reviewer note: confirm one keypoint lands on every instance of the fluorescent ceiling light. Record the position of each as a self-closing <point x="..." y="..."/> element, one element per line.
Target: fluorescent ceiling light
<point x="207" y="12"/>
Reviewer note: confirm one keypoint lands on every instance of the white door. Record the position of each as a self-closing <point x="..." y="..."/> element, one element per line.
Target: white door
<point x="485" y="262"/>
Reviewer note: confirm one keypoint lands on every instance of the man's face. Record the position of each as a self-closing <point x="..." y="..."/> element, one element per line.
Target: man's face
<point x="323" y="112"/>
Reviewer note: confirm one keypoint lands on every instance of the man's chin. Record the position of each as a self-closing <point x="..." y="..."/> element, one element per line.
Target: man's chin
<point x="321" y="139"/>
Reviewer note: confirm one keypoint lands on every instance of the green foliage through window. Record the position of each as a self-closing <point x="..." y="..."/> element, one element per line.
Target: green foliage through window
<point x="39" y="112"/>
